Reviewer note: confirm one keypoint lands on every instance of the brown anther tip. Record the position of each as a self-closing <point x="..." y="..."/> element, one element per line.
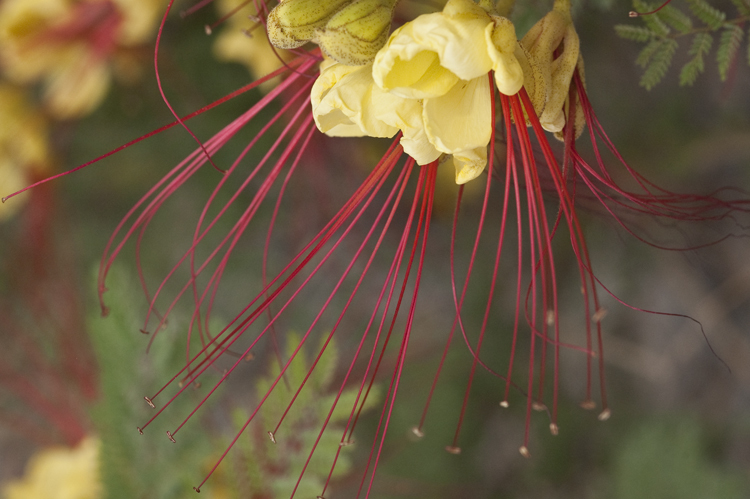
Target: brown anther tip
<point x="257" y="19"/>
<point x="550" y="317"/>
<point x="453" y="449"/>
<point x="143" y="331"/>
<point x="524" y="451"/>
<point x="197" y="385"/>
<point x="504" y="404"/>
<point x="197" y="489"/>
<point x="140" y="430"/>
<point x="346" y="443"/>
<point x="5" y="199"/>
<point x="538" y="406"/>
<point x="320" y="497"/>
<point x="588" y="404"/>
<point x="171" y="438"/>
<point x="148" y="401"/>
<point x="249" y="357"/>
<point x="633" y="13"/>
<point x="604" y="415"/>
<point x="180" y="384"/>
<point x="554" y="429"/>
<point x="599" y="315"/>
<point x="208" y="29"/>
<point x="417" y="431"/>
<point x="271" y="436"/>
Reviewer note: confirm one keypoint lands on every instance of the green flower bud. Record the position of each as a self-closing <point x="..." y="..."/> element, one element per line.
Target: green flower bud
<point x="355" y="33"/>
<point x="292" y="23"/>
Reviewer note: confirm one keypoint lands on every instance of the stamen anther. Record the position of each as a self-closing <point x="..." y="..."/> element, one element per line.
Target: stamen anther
<point x="148" y="401"/>
<point x="524" y="451"/>
<point x="599" y="315"/>
<point x="453" y="450"/>
<point x="171" y="438"/>
<point x="504" y="404"/>
<point x="417" y="431"/>
<point x="588" y="404"/>
<point x="554" y="429"/>
<point x="604" y="415"/>
<point x="140" y="430"/>
<point x="538" y="406"/>
<point x="272" y="437"/>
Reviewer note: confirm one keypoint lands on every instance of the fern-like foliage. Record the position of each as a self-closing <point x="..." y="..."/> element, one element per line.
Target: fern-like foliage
<point x="271" y="469"/>
<point x="697" y="20"/>
<point x="133" y="465"/>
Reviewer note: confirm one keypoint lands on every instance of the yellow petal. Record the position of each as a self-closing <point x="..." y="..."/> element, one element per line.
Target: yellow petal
<point x="462" y="118"/>
<point x="426" y="57"/>
<point x="347" y="103"/>
<point x="469" y="164"/>
<point x="502" y="43"/>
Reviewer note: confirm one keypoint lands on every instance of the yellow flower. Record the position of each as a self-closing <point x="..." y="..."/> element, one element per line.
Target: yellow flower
<point x="69" y="45"/>
<point x="443" y="59"/>
<point x="23" y="145"/>
<point x="61" y="473"/>
<point x="244" y="41"/>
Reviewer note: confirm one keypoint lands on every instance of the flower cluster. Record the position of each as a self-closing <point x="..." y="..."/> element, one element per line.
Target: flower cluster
<point x="73" y="47"/>
<point x="456" y="83"/>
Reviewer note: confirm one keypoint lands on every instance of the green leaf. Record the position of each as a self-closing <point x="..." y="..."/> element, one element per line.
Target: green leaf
<point x="654" y="23"/>
<point x="676" y="18"/>
<point x="659" y="64"/>
<point x="648" y="52"/>
<point x="635" y="33"/>
<point x="729" y="44"/>
<point x="714" y="18"/>
<point x="743" y="7"/>
<point x="701" y="46"/>
<point x="147" y="465"/>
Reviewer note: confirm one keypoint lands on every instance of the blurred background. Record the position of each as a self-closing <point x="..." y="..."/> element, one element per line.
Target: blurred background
<point x="72" y="383"/>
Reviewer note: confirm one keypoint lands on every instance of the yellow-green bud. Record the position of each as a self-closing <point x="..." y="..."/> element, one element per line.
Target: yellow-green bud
<point x="292" y="23"/>
<point x="355" y="33"/>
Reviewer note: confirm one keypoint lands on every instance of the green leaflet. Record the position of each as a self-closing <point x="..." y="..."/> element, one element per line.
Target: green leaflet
<point x="729" y="45"/>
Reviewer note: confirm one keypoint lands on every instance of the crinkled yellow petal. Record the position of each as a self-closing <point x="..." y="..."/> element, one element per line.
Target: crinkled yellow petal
<point x="332" y="116"/>
<point x="426" y="57"/>
<point x="462" y="118"/>
<point x="501" y="44"/>
<point x="469" y="164"/>
<point x="417" y="144"/>
<point x="347" y="103"/>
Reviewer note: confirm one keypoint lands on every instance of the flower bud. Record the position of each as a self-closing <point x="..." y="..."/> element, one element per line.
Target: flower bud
<point x="355" y="33"/>
<point x="292" y="23"/>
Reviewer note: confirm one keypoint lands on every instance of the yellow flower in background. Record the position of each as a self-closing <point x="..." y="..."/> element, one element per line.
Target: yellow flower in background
<point x="60" y="473"/>
<point x="244" y="40"/>
<point x="69" y="46"/>
<point x="23" y="145"/>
